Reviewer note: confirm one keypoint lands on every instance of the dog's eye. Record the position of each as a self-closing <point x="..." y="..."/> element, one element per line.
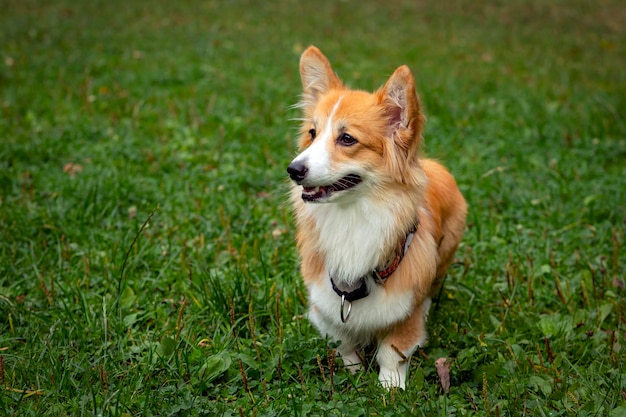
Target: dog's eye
<point x="312" y="132"/>
<point x="346" y="140"/>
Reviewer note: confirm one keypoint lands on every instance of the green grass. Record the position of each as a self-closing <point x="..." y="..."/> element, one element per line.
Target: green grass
<point x="147" y="264"/>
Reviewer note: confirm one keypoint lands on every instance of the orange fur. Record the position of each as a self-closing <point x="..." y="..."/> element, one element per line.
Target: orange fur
<point x="397" y="188"/>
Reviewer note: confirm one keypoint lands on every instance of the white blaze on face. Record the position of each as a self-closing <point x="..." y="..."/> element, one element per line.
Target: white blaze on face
<point x="317" y="156"/>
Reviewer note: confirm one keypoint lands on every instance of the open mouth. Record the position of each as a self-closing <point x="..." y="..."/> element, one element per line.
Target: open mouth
<point x="324" y="191"/>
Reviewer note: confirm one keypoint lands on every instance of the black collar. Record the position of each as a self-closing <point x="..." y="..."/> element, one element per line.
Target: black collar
<point x="360" y="292"/>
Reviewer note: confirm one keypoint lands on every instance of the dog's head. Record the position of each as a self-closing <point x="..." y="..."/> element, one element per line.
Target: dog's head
<point x="352" y="140"/>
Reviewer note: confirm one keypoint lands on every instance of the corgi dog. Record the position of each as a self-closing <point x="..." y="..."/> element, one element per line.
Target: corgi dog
<point x="377" y="224"/>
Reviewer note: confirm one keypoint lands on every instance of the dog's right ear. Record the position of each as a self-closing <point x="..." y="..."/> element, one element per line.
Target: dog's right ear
<point x="317" y="75"/>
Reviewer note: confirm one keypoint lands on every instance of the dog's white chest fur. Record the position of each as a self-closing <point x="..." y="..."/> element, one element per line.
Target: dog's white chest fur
<point x="352" y="237"/>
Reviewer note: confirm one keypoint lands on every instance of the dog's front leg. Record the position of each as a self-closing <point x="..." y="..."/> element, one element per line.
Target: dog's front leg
<point x="396" y="348"/>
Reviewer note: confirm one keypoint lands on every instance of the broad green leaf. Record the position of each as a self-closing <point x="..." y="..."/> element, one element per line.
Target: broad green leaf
<point x="168" y="345"/>
<point x="603" y="311"/>
<point x="215" y="366"/>
<point x="539" y="384"/>
<point x="127" y="298"/>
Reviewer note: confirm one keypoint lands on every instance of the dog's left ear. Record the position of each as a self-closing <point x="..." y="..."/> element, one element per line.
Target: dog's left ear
<point x="402" y="110"/>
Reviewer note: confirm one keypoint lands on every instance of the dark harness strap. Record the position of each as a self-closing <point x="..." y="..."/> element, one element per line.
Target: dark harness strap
<point x="382" y="275"/>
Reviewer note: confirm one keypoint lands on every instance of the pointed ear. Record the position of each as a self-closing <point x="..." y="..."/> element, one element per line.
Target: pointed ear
<point x="317" y="75"/>
<point x="402" y="109"/>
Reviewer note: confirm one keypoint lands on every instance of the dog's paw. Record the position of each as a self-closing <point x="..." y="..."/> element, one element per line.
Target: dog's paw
<point x="392" y="378"/>
<point x="394" y="366"/>
<point x="352" y="362"/>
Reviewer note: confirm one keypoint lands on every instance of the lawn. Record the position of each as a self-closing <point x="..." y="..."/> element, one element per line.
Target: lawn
<point x="147" y="260"/>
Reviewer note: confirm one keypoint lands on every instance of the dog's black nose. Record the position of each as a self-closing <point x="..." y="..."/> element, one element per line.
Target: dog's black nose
<point x="297" y="171"/>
